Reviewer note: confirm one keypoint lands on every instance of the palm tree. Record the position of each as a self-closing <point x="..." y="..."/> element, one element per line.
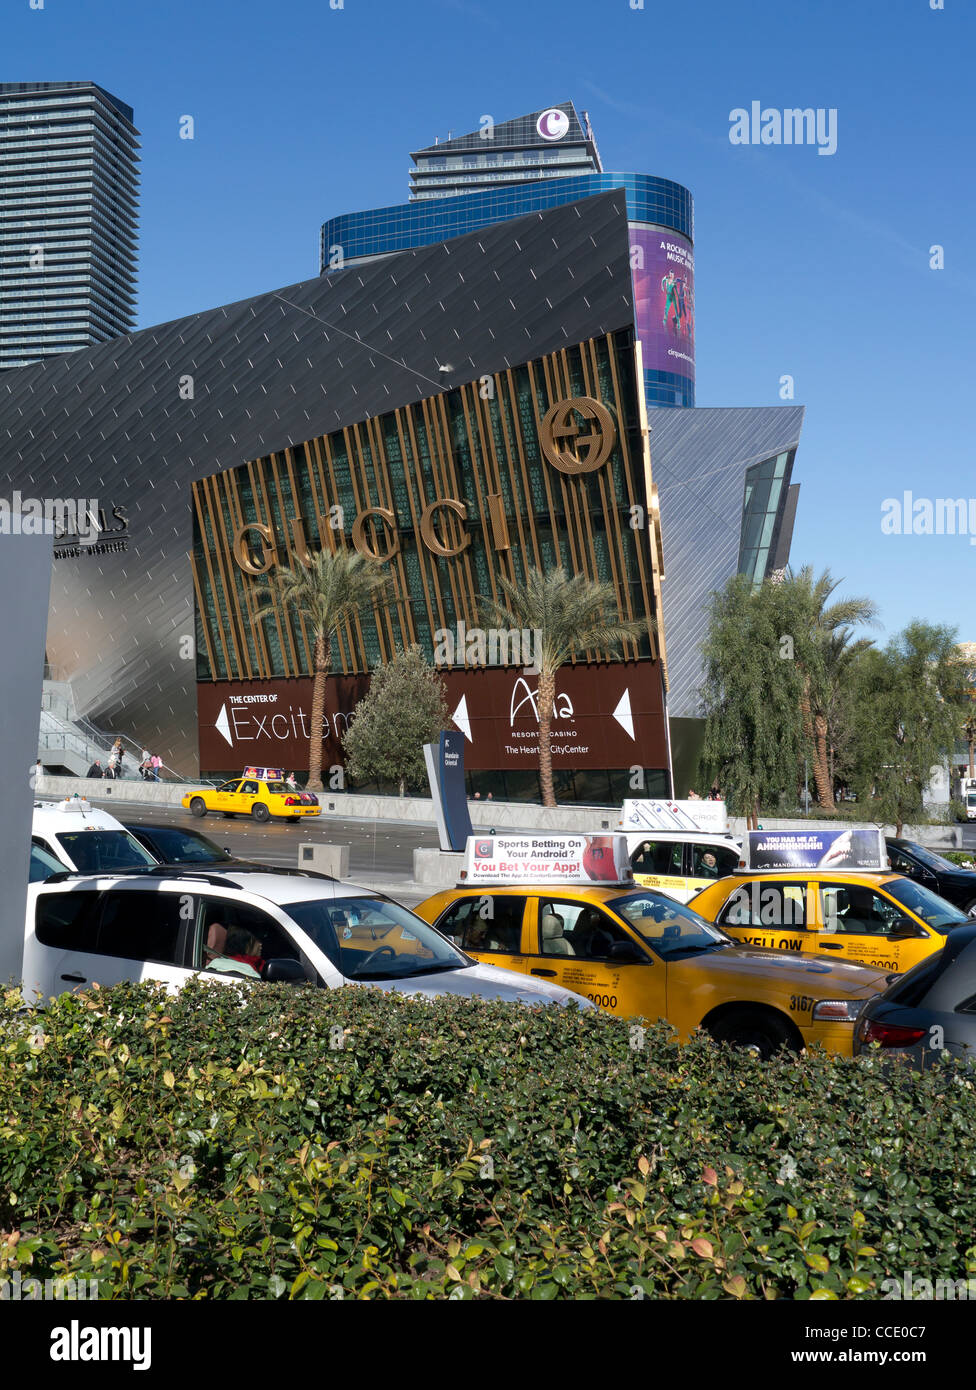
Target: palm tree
<point x="569" y="614"/>
<point x="828" y="639"/>
<point x="330" y="589"/>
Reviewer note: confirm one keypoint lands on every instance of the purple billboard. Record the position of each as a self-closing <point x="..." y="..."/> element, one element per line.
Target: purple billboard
<point x="663" y="268"/>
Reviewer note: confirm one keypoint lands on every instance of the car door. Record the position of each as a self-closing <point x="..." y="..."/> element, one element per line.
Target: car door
<point x="858" y="922"/>
<point x="704" y="863"/>
<point x="488" y="926"/>
<point x="904" y="863"/>
<point x="84" y="937"/>
<point x="233" y="940"/>
<point x="659" y="863"/>
<point x="580" y="946"/>
<point x="225" y="797"/>
<point x="770" y="912"/>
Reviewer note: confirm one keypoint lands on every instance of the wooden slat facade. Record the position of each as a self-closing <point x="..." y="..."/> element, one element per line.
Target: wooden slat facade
<point x="479" y="445"/>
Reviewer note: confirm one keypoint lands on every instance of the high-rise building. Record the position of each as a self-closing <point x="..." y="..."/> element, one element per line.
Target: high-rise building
<point x="68" y="214"/>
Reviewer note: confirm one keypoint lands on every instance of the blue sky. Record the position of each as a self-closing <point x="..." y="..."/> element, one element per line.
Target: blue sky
<point x="809" y="265"/>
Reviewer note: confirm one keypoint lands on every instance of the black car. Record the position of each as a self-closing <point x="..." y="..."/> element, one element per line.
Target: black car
<point x="928" y="1012"/>
<point x="956" y="885"/>
<point x="171" y="844"/>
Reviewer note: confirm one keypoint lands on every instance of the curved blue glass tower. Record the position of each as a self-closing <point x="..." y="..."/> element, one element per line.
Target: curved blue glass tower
<point x="526" y="166"/>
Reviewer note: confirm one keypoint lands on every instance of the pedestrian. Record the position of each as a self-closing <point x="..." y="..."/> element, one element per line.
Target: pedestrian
<point x="110" y="770"/>
<point x="157" y="763"/>
<point x="290" y="782"/>
<point x="96" y="769"/>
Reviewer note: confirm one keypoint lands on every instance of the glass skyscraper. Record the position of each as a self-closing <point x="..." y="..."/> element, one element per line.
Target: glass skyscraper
<point x="68" y="218"/>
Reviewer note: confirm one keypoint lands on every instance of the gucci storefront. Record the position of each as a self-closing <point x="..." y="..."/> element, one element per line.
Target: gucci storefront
<point x="539" y="465"/>
<point x="463" y="412"/>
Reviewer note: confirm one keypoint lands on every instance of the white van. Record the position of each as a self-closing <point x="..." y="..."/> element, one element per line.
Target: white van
<point x="85" y="840"/>
<point x="681" y="862"/>
<point x="277" y="926"/>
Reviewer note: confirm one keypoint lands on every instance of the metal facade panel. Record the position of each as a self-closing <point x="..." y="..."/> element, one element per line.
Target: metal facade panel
<point x="699" y="458"/>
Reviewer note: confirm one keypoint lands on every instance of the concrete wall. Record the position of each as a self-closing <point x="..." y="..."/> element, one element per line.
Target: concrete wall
<point x="25" y="583"/>
<point x="485" y="815"/>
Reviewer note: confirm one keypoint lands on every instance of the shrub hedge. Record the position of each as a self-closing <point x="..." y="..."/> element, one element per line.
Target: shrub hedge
<point x="291" y="1143"/>
<point x="964" y="858"/>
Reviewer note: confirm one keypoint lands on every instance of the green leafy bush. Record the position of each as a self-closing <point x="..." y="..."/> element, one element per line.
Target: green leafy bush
<point x="296" y="1143"/>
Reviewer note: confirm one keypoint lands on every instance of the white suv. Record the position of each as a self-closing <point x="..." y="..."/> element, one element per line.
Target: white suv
<point x="172" y="923"/>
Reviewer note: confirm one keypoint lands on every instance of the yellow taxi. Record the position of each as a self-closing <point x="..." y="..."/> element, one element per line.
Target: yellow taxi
<point x="638" y="953"/>
<point x="882" y="920"/>
<point x="259" y="793"/>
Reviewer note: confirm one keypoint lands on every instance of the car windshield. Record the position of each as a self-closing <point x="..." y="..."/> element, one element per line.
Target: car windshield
<point x="100" y="851"/>
<point x="932" y="909"/>
<point x="180" y="847"/>
<point x="373" y="939"/>
<point x="669" y="928"/>
<point x="277" y="787"/>
<point x="930" y="860"/>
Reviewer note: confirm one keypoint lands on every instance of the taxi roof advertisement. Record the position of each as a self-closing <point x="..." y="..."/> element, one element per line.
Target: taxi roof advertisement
<point x="547" y="859"/>
<point x="675" y="815"/>
<point x="816" y="849"/>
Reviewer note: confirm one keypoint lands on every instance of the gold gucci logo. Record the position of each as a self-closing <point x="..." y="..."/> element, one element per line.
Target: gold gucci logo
<point x="565" y="445"/>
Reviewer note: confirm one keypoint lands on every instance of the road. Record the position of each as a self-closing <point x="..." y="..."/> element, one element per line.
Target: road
<point x="380" y="852"/>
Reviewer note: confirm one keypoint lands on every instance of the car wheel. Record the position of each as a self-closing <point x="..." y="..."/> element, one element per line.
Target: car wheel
<point x="761" y="1034"/>
<point x="260" y="812"/>
<point x="198" y="806"/>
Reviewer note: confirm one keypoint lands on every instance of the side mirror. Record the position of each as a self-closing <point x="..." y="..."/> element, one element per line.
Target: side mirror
<point x="283" y="972"/>
<point x="904" y="932"/>
<point x="626" y="953"/>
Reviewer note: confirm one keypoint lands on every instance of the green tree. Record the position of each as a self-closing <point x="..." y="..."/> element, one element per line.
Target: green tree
<point x="567" y="614"/>
<point x="909" y="704"/>
<point x="404" y="708"/>
<point x="752" y="694"/>
<point x="823" y="633"/>
<point x="333" y="587"/>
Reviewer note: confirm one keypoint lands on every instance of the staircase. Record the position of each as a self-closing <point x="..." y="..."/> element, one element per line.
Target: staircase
<point x="66" y="740"/>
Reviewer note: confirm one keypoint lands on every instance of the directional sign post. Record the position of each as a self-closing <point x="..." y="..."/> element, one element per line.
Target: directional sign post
<point x="445" y="772"/>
